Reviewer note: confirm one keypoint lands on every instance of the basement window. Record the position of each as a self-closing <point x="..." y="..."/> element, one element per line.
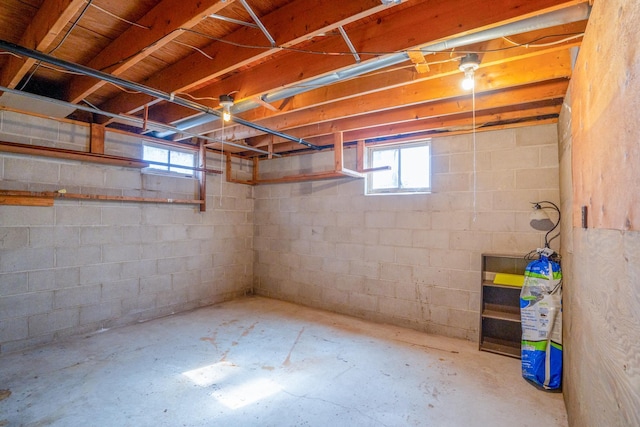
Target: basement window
<point x="168" y="160"/>
<point x="410" y="169"/>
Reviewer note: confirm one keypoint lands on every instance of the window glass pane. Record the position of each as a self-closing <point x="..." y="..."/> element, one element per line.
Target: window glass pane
<point x="415" y="167"/>
<point x="385" y="179"/>
<point x="410" y="169"/>
<point x="155" y="154"/>
<point x="182" y="159"/>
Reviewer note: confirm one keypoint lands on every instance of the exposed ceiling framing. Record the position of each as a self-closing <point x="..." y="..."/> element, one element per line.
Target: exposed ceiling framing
<point x="300" y="70"/>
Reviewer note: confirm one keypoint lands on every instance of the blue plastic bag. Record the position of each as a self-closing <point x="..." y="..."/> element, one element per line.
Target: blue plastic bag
<point x="541" y="314"/>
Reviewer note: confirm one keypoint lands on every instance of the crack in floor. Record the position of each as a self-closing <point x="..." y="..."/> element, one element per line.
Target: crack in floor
<point x="347" y="408"/>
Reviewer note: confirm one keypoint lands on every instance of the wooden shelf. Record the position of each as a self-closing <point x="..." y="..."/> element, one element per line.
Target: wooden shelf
<point x="501" y="347"/>
<point x="487" y="283"/>
<point x="500" y="329"/>
<point x="501" y="315"/>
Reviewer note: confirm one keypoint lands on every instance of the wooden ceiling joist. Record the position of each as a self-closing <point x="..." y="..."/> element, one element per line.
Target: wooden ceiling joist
<point x="395" y="120"/>
<point x="47" y="24"/>
<point x="367" y="85"/>
<point x="458" y="122"/>
<point x="180" y="61"/>
<point x="139" y="41"/>
<point x="227" y="55"/>
<point x="454" y="123"/>
<point x="399" y="31"/>
<point x="546" y="67"/>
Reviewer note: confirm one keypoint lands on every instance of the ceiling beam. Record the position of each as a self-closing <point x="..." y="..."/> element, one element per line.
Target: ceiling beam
<point x="164" y="23"/>
<point x="436" y="126"/>
<point x="513" y="97"/>
<point x="396" y="78"/>
<point x="403" y="30"/>
<point x="292" y="67"/>
<point x="529" y="70"/>
<point x="290" y="25"/>
<point x="376" y="82"/>
<point x="393" y="32"/>
<point x="546" y="108"/>
<point x="43" y="30"/>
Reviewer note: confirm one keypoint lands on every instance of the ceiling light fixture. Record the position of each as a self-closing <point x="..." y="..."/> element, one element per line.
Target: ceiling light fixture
<point x="226" y="102"/>
<point x="468" y="65"/>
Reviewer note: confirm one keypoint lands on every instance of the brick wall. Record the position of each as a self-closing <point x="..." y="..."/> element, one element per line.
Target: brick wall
<point x="408" y="260"/>
<point x="81" y="266"/>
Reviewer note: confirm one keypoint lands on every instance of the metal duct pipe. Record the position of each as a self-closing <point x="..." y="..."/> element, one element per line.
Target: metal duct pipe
<point x="127" y="118"/>
<point x="575" y="13"/>
<point x="34" y="54"/>
<point x="563" y="16"/>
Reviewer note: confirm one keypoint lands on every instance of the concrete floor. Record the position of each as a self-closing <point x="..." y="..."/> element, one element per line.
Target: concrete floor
<point x="261" y="362"/>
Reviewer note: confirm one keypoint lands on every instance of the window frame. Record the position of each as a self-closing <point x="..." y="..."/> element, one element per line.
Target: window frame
<point x="167" y="167"/>
<point x="398" y="190"/>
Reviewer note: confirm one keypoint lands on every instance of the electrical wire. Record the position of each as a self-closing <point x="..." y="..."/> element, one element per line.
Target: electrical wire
<point x="90" y="104"/>
<point x="197" y="98"/>
<point x="123" y="89"/>
<point x="64" y="38"/>
<point x="314" y="52"/>
<point x="378" y="53"/>
<point x="75" y="23"/>
<point x="566" y="39"/>
<point x="61" y="70"/>
<point x="206" y="55"/>
<point x="113" y="15"/>
<point x="152" y="44"/>
<point x="30" y="75"/>
<point x="202" y="98"/>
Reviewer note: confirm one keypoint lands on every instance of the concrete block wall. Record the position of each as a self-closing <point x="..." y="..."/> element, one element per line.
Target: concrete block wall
<point x="33" y="130"/>
<point x="411" y="260"/>
<point x="81" y="266"/>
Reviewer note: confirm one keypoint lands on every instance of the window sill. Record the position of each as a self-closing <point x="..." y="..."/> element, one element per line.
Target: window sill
<point x="152" y="171"/>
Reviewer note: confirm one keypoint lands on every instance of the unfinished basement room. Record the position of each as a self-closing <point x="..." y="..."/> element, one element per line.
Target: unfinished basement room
<point x="320" y="213"/>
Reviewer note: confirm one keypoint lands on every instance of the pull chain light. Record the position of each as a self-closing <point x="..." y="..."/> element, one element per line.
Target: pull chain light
<point x="226" y="102"/>
<point x="468" y="65"/>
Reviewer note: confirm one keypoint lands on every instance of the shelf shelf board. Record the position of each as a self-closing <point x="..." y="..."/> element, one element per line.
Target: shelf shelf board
<point x="501" y="315"/>
<point x="504" y="349"/>
<point x="496" y="285"/>
<point x="500" y="326"/>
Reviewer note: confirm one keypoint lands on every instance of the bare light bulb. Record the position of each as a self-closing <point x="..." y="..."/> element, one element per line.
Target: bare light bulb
<point x="468" y="82"/>
<point x="468" y="65"/>
<point x="226" y="102"/>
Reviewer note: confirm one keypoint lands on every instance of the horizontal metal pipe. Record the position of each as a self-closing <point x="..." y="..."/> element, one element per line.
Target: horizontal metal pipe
<point x="39" y="56"/>
<point x="136" y="120"/>
<point x="563" y="16"/>
<point x="559" y="17"/>
<point x="575" y="13"/>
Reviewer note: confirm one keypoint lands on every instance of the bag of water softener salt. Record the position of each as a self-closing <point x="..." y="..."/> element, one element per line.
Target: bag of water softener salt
<point x="541" y="313"/>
